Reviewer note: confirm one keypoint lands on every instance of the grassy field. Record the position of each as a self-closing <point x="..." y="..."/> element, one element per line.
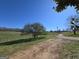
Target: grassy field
<point x="70" y="50"/>
<point x="71" y="34"/>
<point x="10" y="42"/>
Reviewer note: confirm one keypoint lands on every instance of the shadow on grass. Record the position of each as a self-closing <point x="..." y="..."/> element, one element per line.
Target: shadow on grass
<point x="20" y="41"/>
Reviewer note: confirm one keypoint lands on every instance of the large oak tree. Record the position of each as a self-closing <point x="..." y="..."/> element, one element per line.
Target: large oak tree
<point x="35" y="29"/>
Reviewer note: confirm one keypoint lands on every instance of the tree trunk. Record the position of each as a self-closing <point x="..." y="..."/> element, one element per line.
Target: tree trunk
<point x="74" y="32"/>
<point x="34" y="35"/>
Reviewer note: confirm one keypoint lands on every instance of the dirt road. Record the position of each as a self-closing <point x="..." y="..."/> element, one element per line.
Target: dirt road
<point x="49" y="49"/>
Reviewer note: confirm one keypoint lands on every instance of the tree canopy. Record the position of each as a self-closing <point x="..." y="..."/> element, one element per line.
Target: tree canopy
<point x="63" y="4"/>
<point x="34" y="29"/>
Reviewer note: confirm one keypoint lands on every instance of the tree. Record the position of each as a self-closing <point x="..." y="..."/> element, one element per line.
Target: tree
<point x="63" y="4"/>
<point x="74" y="24"/>
<point x="27" y="28"/>
<point x="35" y="29"/>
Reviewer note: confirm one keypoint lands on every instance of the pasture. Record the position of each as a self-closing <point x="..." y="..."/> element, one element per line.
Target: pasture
<point x="70" y="34"/>
<point x="11" y="42"/>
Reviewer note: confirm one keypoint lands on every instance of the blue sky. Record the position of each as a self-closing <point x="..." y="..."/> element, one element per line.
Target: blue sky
<point x="17" y="13"/>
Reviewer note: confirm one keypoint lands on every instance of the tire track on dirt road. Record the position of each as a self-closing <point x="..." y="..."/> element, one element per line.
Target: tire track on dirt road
<point x="49" y="49"/>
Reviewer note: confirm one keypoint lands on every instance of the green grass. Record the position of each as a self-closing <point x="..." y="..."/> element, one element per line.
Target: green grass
<point x="9" y="36"/>
<point x="70" y="34"/>
<point x="10" y="49"/>
<point x="70" y="50"/>
<point x="11" y="42"/>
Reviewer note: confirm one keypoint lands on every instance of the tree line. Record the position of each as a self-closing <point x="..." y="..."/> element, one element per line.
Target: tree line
<point x="10" y="29"/>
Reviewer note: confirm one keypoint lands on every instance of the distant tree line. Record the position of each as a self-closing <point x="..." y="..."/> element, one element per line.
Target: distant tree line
<point x="10" y="29"/>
